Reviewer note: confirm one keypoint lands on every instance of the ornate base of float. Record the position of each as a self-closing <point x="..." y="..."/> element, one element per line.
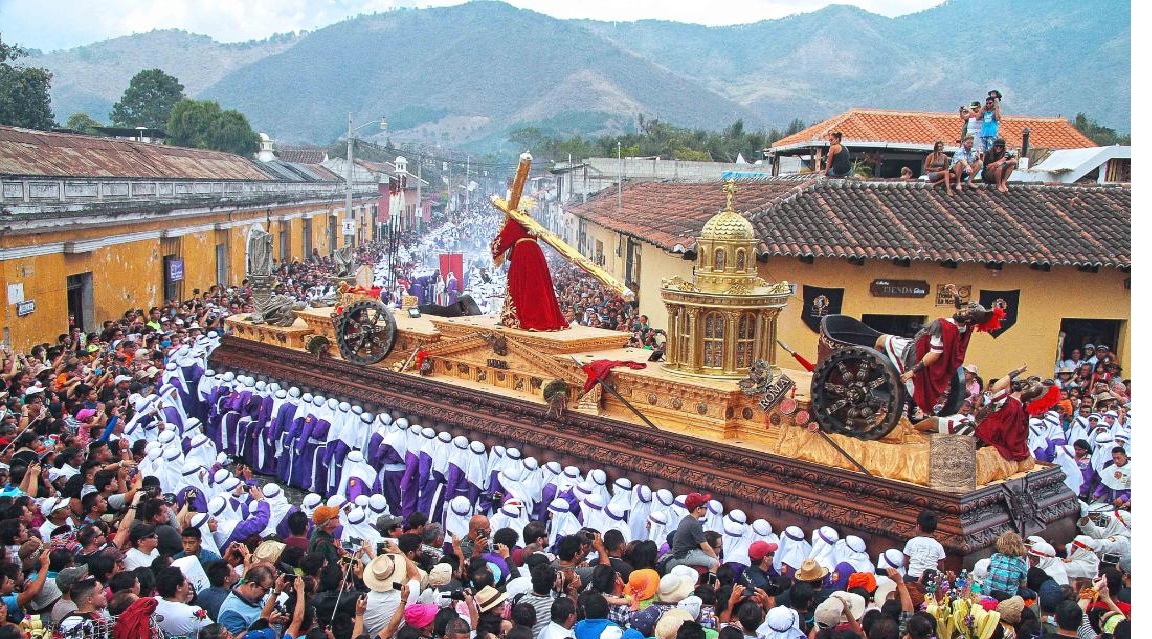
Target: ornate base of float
<point x="286" y="336"/>
<point x="488" y="383"/>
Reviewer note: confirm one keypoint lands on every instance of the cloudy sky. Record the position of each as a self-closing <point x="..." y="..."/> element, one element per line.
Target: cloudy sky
<point x="61" y="24"/>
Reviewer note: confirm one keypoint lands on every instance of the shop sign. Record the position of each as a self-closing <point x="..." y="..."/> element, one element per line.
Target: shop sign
<point x="899" y="288"/>
<point x="26" y="307"/>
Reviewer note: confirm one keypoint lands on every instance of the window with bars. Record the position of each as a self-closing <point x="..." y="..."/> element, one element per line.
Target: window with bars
<point x="745" y="339"/>
<point x="714" y="340"/>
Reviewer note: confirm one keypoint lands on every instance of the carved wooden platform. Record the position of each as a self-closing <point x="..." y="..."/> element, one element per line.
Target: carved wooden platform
<point x="785" y="491"/>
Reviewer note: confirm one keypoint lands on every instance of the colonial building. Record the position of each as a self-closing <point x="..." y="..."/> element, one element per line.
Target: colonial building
<point x="1057" y="256"/>
<point x="92" y="226"/>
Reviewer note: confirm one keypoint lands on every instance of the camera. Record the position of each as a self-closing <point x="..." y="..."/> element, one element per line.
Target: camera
<point x="352" y="544"/>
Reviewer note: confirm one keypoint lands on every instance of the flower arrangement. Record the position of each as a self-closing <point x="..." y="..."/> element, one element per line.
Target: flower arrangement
<point x="956" y="610"/>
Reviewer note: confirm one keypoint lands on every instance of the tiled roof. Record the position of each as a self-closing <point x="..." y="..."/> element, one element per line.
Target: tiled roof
<point x="301" y="154"/>
<point x="27" y="152"/>
<point x="921" y="127"/>
<point x="1031" y="224"/>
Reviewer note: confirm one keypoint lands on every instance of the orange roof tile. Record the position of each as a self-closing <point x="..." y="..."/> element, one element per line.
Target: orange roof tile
<point x="884" y="219"/>
<point x="921" y="127"/>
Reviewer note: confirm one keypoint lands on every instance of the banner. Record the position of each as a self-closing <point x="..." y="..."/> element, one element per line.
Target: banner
<point x="1007" y="300"/>
<point x="452" y="274"/>
<point x="819" y="302"/>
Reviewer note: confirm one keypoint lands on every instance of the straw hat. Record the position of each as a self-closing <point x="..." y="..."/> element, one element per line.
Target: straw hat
<point x="811" y="571"/>
<point x="488" y="598"/>
<point x="673" y="588"/>
<point x="380" y="571"/>
<point x="269" y="551"/>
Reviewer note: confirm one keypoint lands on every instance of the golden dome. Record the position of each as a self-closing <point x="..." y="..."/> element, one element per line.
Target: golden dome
<point x="728" y="225"/>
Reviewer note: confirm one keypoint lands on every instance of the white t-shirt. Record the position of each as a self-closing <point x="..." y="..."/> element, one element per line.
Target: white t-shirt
<point x="180" y="619"/>
<point x="134" y="558"/>
<point x="923" y="553"/>
<point x="555" y="631"/>
<point x="381" y="607"/>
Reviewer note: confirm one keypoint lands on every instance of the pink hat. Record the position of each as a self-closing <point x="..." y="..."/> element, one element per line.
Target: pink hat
<point x="420" y="615"/>
<point x="85" y="414"/>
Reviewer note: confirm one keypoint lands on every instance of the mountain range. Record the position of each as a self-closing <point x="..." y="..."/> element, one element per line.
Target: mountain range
<point x="468" y="74"/>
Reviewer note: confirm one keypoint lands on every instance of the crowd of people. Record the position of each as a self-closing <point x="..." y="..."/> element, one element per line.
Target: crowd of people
<point x="148" y="495"/>
<point x="132" y="507"/>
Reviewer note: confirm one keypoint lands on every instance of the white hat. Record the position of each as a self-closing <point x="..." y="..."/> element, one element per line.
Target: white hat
<point x="311" y="500"/>
<point x="378" y="503"/>
<point x="271" y="490"/>
<point x="336" y="501"/>
<point x="121" y="378"/>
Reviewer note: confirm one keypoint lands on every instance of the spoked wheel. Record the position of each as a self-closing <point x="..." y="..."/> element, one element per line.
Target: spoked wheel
<point x="366" y="332"/>
<point x="856" y="392"/>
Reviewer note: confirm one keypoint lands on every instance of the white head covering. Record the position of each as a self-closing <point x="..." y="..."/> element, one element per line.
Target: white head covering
<point x="1066" y="460"/>
<point x="853" y="550"/>
<point x="592" y="511"/>
<point x="891" y="558"/>
<point x="793" y="550"/>
<point x="824" y="541"/>
<point x="456" y="516"/>
<point x="194" y="475"/>
<point x="355" y="467"/>
<point x="714" y="520"/>
<point x="570" y="479"/>
<point x="563" y="521"/>
<point x="377" y="505"/>
<point x="617" y="519"/>
<point x="638" y="512"/>
<point x="621" y="497"/>
<point x="781" y="622"/>
<point x="476" y="470"/>
<point x="657" y="527"/>
<point x="662" y="501"/>
<point x="1046" y="560"/>
<point x="761" y="530"/>
<point x="208" y="540"/>
<point x="359" y="527"/>
<point x="1082" y="560"/>
<point x="736" y="543"/>
<point x="278" y="507"/>
<point x="172" y="460"/>
<point x="512" y="514"/>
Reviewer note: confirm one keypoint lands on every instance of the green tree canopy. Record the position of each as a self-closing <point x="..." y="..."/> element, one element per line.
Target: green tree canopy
<point x="82" y="122"/>
<point x="148" y="101"/>
<point x="24" y="99"/>
<point x="657" y="138"/>
<point x="1098" y="133"/>
<point x="202" y="124"/>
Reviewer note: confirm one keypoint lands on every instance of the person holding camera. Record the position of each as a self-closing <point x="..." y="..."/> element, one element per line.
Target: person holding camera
<point x="990" y="120"/>
<point x="998" y="165"/>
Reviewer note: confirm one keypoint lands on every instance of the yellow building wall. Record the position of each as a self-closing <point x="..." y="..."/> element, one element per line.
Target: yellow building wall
<point x="1045" y="299"/>
<point x="130" y="274"/>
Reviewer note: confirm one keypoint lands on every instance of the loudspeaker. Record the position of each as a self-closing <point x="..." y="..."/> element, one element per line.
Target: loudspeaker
<point x="463" y="307"/>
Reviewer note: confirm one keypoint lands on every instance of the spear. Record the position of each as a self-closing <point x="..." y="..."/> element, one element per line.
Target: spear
<point x="808" y="366"/>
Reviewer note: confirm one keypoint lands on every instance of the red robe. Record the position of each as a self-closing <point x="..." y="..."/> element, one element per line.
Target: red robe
<point x="1007" y="430"/>
<point x="531" y="302"/>
<point x="931" y="382"/>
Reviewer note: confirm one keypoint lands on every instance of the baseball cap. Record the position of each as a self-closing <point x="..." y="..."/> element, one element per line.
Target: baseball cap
<point x="384" y="523"/>
<point x="322" y="514"/>
<point x="70" y="576"/>
<point x="696" y="500"/>
<point x="760" y="549"/>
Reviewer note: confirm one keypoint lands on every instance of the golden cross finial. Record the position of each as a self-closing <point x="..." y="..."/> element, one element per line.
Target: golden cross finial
<point x="729" y="193"/>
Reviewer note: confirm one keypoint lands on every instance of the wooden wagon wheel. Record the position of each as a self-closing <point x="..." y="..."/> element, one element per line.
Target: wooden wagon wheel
<point x="856" y="392"/>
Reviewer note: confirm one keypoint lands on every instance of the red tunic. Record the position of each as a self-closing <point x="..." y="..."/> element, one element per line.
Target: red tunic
<point x="531" y="302"/>
<point x="1007" y="430"/>
<point x="931" y="383"/>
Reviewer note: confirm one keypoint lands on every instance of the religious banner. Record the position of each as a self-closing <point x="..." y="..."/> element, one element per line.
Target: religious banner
<point x="1007" y="300"/>
<point x="452" y="274"/>
<point x="818" y="302"/>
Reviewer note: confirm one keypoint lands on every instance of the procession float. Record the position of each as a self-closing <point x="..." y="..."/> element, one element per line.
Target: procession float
<point x="818" y="444"/>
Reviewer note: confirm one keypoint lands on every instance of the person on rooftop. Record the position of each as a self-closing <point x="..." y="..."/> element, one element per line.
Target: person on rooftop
<point x="998" y="165"/>
<point x="936" y="167"/>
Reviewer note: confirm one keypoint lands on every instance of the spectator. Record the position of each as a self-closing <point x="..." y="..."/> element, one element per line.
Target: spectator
<point x="965" y="164"/>
<point x="221" y="578"/>
<point x="990" y="122"/>
<point x="689" y="546"/>
<point x="837" y="164"/>
<point x="178" y="618"/>
<point x="243" y="606"/>
<point x="936" y="167"/>
<point x="923" y="552"/>
<point x="1008" y="569"/>
<point x="998" y="166"/>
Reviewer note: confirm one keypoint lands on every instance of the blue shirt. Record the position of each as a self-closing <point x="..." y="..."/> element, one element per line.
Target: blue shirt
<point x="990" y="127"/>
<point x="237" y="613"/>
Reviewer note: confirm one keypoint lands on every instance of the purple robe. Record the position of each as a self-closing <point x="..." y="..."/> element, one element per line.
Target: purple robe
<point x="282" y="527"/>
<point x="391" y="477"/>
<point x="254" y="523"/>
<point x="410" y="484"/>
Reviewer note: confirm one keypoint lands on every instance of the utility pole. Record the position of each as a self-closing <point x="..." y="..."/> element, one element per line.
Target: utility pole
<point x="619" y="178"/>
<point x="348" y="178"/>
<point x="420" y="185"/>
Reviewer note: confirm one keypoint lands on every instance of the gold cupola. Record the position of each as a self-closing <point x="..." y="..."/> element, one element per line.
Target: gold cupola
<point x="725" y="318"/>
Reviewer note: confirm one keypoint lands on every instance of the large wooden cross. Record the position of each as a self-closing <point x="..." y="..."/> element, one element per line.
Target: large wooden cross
<point x="511" y="208"/>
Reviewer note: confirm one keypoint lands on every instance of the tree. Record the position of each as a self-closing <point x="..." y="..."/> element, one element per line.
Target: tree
<point x="1098" y="133"/>
<point x="82" y="122"/>
<point x="148" y="101"/>
<point x="202" y="124"/>
<point x="24" y="98"/>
